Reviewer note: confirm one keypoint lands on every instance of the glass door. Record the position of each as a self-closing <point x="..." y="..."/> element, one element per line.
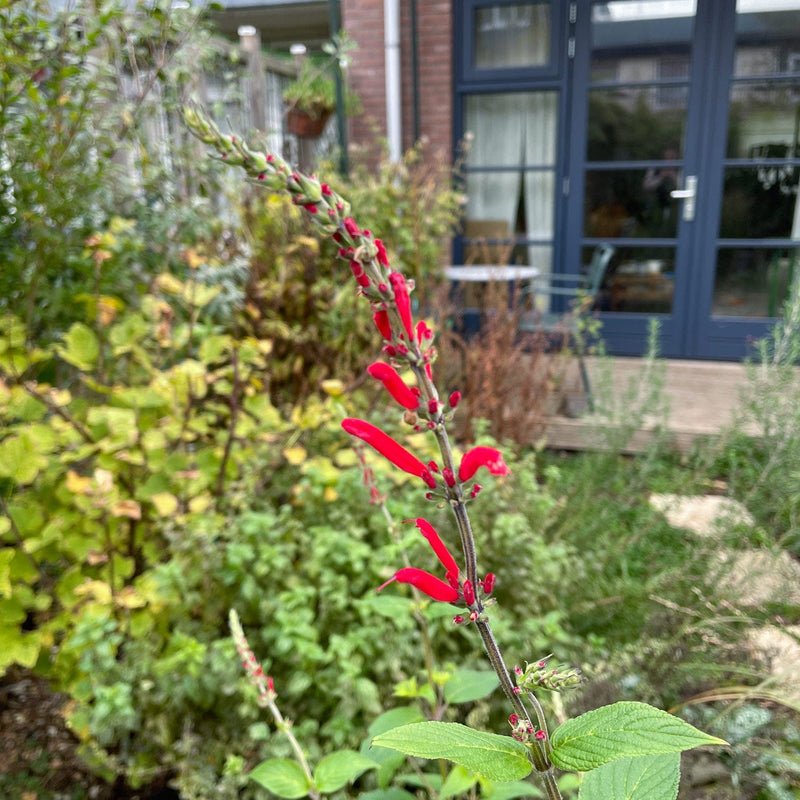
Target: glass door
<point x="690" y="167"/>
<point x="639" y="87"/>
<point x="754" y="245"/>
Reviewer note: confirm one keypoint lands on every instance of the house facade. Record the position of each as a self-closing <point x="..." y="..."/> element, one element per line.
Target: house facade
<point x="669" y="129"/>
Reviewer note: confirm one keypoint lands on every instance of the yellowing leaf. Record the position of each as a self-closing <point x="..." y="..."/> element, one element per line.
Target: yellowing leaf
<point x="295" y="455"/>
<point x="169" y="283"/>
<point x="78" y="484"/>
<point x="333" y="387"/>
<point x="166" y="504"/>
<point x="129" y="598"/>
<point x="199" y="504"/>
<point x="98" y="590"/>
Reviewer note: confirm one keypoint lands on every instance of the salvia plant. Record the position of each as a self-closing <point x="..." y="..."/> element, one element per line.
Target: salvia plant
<point x="628" y="750"/>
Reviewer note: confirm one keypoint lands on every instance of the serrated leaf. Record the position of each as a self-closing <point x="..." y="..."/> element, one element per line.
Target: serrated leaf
<point x="467" y="685"/>
<point x="491" y="756"/>
<point x="340" y="768"/>
<point x="282" y="777"/>
<point x="643" y="778"/>
<point x="389" y="760"/>
<point x="622" y="730"/>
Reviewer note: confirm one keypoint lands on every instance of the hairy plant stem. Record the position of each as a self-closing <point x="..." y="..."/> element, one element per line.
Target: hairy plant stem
<point x="538" y="751"/>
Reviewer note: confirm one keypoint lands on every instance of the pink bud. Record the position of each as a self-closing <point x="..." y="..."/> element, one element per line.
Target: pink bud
<point x="326" y="190"/>
<point x="488" y="583"/>
<point x="475" y="491"/>
<point x="363" y="280"/>
<point x="351" y="227"/>
<point x="458" y="619"/>
<point x="433" y="406"/>
<point x="469" y="593"/>
<point x="454" y="399"/>
<point x="448" y="476"/>
<point x="382" y="257"/>
<point x="540" y="736"/>
<point x="513" y="719"/>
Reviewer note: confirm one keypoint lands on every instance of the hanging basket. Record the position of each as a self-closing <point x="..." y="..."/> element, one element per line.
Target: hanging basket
<point x="301" y="124"/>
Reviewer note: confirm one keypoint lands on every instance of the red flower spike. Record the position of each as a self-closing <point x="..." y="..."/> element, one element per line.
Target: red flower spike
<point x="428" y="584"/>
<point x="381" y="319"/>
<point x="479" y="457"/>
<point x="388" y="448"/>
<point x="469" y="593"/>
<point x="488" y="583"/>
<point x="403" y="301"/>
<point x="383" y="259"/>
<point x="437" y="545"/>
<point x="393" y="384"/>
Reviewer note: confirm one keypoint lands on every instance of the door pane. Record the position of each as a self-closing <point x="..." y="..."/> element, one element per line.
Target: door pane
<point x="633" y="123"/>
<point x="642" y="281"/>
<point x="512" y="35"/>
<point x="762" y="170"/>
<point x="753" y="282"/>
<point x="631" y="203"/>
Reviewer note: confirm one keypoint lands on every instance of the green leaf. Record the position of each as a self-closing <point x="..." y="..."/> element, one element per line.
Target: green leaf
<point x="467" y="685"/>
<point x="340" y="768"/>
<point x="459" y="781"/>
<point x="282" y="777"/>
<point x="392" y="793"/>
<point x="491" y="756"/>
<point x="622" y="730"/>
<point x="643" y="778"/>
<point x="389" y="760"/>
<point x="82" y="348"/>
<point x="509" y="790"/>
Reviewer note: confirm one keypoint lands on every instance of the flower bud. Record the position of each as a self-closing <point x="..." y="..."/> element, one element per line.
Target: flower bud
<point x="448" y="476"/>
<point x="454" y="399"/>
<point x="469" y="593"/>
<point x="488" y="583"/>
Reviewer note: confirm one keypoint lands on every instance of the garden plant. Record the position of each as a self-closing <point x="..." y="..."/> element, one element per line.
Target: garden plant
<point x="629" y="749"/>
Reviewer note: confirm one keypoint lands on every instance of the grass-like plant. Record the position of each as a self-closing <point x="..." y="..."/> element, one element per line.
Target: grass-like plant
<point x="628" y="749"/>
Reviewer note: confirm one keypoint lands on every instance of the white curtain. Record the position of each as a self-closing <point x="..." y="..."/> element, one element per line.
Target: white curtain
<point x="513" y="133"/>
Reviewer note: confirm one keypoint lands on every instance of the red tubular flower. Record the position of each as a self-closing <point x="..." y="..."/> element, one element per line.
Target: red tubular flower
<point x="388" y="448"/>
<point x="481" y="456"/>
<point x="428" y="584"/>
<point x="381" y="319"/>
<point x="394" y="384"/>
<point x="438" y="546"/>
<point x="403" y="300"/>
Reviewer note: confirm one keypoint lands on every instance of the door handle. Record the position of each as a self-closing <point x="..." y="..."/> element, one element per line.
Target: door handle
<point x="688" y="195"/>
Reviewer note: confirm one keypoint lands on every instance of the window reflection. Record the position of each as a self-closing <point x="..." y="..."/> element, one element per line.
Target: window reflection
<point x="753" y="282"/>
<point x="760" y="202"/>
<point x="512" y="36"/>
<point x="764" y="120"/>
<point x="634" y="123"/>
<point x="632" y="203"/>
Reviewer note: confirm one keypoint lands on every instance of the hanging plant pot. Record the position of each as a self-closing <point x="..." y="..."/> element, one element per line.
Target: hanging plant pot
<point x="301" y="124"/>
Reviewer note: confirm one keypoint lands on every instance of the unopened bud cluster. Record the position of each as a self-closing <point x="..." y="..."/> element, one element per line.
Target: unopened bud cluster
<point x="540" y="675"/>
<point x="263" y="683"/>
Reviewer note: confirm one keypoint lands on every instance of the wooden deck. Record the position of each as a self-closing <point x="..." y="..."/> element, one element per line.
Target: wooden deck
<point x="699" y="398"/>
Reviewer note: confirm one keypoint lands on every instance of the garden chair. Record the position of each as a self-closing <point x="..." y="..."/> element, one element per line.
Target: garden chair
<point x="582" y="290"/>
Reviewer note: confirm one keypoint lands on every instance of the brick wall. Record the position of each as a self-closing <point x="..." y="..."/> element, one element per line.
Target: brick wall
<point x="363" y="20"/>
